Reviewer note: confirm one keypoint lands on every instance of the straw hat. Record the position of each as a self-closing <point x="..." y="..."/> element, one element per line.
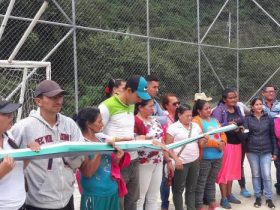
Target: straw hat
<point x="201" y="96"/>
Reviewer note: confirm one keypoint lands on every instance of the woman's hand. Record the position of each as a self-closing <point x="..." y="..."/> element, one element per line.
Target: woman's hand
<point x="34" y="146"/>
<point x="274" y="157"/>
<point x="179" y="164"/>
<point x="203" y="141"/>
<point x="6" y="166"/>
<point x="170" y="168"/>
<point x="119" y="153"/>
<point x="159" y="144"/>
<point x="222" y="146"/>
<point x="241" y="128"/>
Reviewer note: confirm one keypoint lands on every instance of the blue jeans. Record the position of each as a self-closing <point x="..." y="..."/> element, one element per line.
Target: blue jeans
<point x="277" y="166"/>
<point x="261" y="169"/>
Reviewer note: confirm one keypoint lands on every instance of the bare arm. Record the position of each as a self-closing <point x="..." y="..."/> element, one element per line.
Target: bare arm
<point x="6" y="166"/>
<point x="178" y="163"/>
<point x="90" y="166"/>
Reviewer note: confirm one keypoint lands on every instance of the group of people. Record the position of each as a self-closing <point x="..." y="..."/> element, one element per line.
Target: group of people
<point x="133" y="180"/>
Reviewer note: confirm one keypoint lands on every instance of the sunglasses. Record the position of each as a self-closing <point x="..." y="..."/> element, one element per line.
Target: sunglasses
<point x="176" y="103"/>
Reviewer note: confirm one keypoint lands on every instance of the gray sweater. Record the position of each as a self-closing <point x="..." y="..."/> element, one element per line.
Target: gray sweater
<point x="50" y="181"/>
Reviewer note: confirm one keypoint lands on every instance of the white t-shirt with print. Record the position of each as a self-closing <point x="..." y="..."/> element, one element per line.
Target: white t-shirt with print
<point x="12" y="190"/>
<point x="180" y="132"/>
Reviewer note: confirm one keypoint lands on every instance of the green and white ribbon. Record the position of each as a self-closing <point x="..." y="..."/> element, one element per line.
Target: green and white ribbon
<point x="68" y="149"/>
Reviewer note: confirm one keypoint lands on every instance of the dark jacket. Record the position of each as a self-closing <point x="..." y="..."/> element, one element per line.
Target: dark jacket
<point x="261" y="137"/>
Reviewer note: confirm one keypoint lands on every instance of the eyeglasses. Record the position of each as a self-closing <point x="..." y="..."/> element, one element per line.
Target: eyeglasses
<point x="176" y="103"/>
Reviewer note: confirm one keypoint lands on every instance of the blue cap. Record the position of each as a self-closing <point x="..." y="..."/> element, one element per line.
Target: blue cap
<point x="139" y="84"/>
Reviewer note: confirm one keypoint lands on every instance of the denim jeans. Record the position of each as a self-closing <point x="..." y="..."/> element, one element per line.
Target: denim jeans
<point x="261" y="169"/>
<point x="277" y="166"/>
<point x="164" y="190"/>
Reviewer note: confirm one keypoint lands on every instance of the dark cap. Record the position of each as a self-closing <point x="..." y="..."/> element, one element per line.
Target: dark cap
<point x="7" y="106"/>
<point x="48" y="88"/>
<point x="139" y="84"/>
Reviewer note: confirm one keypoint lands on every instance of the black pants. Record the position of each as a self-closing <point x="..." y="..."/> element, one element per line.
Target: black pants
<point x="23" y="207"/>
<point x="242" y="182"/>
<point x="69" y="206"/>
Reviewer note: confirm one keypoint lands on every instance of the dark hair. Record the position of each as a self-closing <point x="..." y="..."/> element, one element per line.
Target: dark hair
<point x="142" y="103"/>
<point x="113" y="83"/>
<point x="225" y="94"/>
<point x="254" y="100"/>
<point x="268" y="85"/>
<point x="199" y="104"/>
<point x="165" y="99"/>
<point x="151" y="78"/>
<point x="181" y="109"/>
<point x="85" y="115"/>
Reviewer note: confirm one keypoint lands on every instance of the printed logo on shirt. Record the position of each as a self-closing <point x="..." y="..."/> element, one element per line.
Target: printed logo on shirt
<point x="44" y="139"/>
<point x="65" y="137"/>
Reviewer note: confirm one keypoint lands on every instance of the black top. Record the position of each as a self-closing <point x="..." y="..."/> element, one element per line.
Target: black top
<point x="232" y="136"/>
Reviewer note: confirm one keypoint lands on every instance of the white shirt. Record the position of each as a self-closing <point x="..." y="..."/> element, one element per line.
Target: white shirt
<point x="12" y="190"/>
<point x="179" y="132"/>
<point x="118" y="119"/>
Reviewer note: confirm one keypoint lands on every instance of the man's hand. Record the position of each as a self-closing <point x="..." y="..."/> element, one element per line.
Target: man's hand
<point x="34" y="146"/>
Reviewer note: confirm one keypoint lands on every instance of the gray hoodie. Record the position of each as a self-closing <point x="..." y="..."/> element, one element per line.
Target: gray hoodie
<point x="50" y="181"/>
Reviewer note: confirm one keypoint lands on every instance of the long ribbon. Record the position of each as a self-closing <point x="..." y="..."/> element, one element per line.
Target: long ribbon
<point x="68" y="149"/>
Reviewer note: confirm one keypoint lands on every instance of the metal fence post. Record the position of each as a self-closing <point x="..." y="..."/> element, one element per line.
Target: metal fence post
<point x="75" y="56"/>
<point x="237" y="47"/>
<point x="198" y="47"/>
<point x="148" y="38"/>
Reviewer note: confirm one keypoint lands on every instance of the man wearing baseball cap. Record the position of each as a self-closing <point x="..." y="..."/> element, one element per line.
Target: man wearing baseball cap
<point x="118" y="119"/>
<point x="50" y="181"/>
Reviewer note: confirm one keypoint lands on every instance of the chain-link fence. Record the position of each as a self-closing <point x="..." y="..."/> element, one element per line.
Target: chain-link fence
<point x="193" y="45"/>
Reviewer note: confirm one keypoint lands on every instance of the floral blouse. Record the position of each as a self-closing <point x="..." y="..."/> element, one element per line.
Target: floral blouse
<point x="152" y="129"/>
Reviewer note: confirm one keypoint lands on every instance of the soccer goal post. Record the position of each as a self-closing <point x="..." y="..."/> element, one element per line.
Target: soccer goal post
<point x="18" y="81"/>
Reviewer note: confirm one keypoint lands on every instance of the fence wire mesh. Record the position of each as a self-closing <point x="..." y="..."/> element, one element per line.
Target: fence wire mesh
<point x="191" y="46"/>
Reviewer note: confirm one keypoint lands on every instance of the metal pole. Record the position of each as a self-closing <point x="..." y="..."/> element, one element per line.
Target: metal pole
<point x="269" y="78"/>
<point x="22" y="92"/>
<point x="120" y="33"/>
<point x="28" y="31"/>
<point x="75" y="56"/>
<point x="48" y="72"/>
<point x="62" y="11"/>
<point x="44" y="59"/>
<point x="148" y="39"/>
<point x="213" y="70"/>
<point x="214" y="21"/>
<point x="229" y="28"/>
<point x="237" y="47"/>
<point x="199" y="46"/>
<point x="259" y="48"/>
<point x="273" y="19"/>
<point x="7" y="15"/>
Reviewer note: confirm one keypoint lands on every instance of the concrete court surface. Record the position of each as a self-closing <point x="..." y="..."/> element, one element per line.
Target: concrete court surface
<point x="247" y="203"/>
